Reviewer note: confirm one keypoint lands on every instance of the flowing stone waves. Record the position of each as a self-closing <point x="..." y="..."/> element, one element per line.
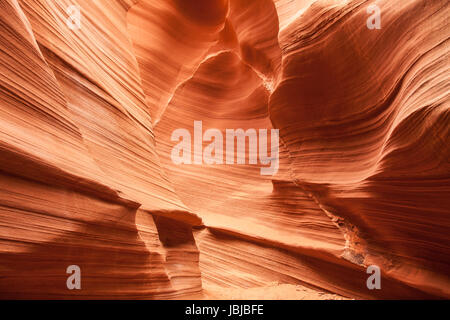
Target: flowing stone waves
<point x="87" y="179"/>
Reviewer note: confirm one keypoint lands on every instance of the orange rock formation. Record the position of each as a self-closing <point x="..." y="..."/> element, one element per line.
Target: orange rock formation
<point x="87" y="179"/>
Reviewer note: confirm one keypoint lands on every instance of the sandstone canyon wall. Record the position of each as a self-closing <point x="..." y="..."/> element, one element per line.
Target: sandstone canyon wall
<point x="87" y="178"/>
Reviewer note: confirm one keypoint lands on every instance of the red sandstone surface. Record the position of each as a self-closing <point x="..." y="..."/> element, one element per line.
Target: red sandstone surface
<point x="87" y="179"/>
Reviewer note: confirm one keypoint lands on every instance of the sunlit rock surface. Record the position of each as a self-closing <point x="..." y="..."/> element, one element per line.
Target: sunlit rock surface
<point x="87" y="179"/>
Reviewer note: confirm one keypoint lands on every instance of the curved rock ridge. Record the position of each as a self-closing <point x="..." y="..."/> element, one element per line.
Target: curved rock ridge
<point x="370" y="142"/>
<point x="78" y="159"/>
<point x="87" y="123"/>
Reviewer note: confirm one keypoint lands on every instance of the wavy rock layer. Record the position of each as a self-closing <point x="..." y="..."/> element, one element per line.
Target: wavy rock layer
<point x="370" y="142"/>
<point x="78" y="158"/>
<point x="85" y="136"/>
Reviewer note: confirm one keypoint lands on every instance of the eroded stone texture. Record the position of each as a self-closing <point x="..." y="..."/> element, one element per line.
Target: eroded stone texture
<point x="87" y="179"/>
